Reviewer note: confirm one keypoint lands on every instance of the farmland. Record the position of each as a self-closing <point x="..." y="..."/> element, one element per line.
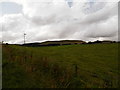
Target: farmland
<point x="67" y="66"/>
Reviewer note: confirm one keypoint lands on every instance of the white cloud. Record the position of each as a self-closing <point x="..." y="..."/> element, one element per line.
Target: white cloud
<point x="54" y="20"/>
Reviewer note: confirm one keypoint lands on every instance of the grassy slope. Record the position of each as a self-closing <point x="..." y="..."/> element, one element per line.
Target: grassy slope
<point x="93" y="66"/>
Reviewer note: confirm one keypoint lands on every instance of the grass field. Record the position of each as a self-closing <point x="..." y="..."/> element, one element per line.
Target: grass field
<point x="67" y="66"/>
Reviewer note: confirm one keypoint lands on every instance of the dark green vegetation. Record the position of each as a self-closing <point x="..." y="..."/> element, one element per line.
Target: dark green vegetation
<point x="55" y="43"/>
<point x="62" y="42"/>
<point x="67" y="66"/>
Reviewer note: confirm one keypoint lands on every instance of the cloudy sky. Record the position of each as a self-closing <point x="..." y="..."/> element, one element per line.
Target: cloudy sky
<point x="44" y="20"/>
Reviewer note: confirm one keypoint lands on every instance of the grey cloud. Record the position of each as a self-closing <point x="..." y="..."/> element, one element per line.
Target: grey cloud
<point x="53" y="22"/>
<point x="104" y="29"/>
<point x="13" y="23"/>
<point x="101" y="15"/>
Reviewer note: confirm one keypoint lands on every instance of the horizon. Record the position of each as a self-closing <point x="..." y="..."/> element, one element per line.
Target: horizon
<point x="57" y="41"/>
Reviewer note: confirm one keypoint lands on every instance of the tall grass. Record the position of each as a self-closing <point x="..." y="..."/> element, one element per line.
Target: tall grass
<point x="71" y="66"/>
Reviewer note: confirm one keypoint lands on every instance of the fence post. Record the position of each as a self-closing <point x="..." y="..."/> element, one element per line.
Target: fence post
<point x="76" y="70"/>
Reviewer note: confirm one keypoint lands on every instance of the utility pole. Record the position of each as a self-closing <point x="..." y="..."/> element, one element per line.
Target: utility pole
<point x="2" y="42"/>
<point x="24" y="38"/>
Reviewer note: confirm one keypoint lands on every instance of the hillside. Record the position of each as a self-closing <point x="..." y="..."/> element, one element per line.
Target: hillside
<point x="67" y="66"/>
<point x="56" y="43"/>
<point x="64" y="42"/>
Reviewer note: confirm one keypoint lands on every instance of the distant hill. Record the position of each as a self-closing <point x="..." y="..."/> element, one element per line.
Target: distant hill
<point x="104" y="41"/>
<point x="56" y="43"/>
<point x="65" y="42"/>
<point x="61" y="42"/>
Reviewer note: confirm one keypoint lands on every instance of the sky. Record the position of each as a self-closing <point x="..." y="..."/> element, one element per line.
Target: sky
<point x="44" y="20"/>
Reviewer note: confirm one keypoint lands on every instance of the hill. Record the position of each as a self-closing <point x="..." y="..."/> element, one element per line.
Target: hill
<point x="56" y="43"/>
<point x="67" y="66"/>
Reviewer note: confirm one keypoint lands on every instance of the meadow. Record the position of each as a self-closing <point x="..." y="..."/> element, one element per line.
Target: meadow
<point x="67" y="66"/>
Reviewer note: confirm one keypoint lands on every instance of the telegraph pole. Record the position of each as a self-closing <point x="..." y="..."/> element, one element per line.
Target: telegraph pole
<point x="24" y="38"/>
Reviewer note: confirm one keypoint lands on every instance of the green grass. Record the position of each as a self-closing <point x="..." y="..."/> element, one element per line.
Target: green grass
<point x="68" y="66"/>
